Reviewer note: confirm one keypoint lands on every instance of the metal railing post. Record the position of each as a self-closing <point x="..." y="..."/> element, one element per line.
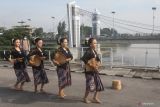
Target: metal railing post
<point x="134" y="61"/>
<point x="81" y="56"/>
<point x="111" y="58"/>
<point x="4" y="52"/>
<point x="146" y="58"/>
<point x="122" y="59"/>
<point x="49" y="53"/>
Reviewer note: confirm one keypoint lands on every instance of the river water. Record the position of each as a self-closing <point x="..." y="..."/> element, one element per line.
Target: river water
<point x="134" y="54"/>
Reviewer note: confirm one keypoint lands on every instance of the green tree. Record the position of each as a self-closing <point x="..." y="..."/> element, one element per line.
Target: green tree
<point x="106" y="31"/>
<point x="2" y="29"/>
<point x="109" y="32"/>
<point x="38" y="32"/>
<point x="85" y="30"/>
<point x="61" y="29"/>
<point x="15" y="32"/>
<point x="114" y="32"/>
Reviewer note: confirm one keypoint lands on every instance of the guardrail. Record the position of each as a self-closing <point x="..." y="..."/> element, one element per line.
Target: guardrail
<point x="147" y="57"/>
<point x="141" y="57"/>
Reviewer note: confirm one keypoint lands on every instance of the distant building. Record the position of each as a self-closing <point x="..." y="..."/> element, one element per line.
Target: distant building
<point x="27" y="28"/>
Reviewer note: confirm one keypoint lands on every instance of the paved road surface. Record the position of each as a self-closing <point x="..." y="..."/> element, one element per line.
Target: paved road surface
<point x="135" y="92"/>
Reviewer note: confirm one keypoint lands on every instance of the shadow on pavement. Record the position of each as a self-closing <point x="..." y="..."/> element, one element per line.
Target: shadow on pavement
<point x="8" y="95"/>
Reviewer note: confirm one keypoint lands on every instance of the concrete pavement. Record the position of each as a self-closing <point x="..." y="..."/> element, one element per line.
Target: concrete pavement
<point x="135" y="93"/>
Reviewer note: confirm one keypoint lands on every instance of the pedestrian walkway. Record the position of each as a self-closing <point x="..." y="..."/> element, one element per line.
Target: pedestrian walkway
<point x="135" y="92"/>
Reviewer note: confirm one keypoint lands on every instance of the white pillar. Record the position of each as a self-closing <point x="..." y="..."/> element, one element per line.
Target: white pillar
<point x="73" y="24"/>
<point x="76" y="26"/>
<point x="95" y="24"/>
<point x="69" y="13"/>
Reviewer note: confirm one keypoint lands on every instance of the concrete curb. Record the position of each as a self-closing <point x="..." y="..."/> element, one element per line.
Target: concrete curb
<point x="116" y="73"/>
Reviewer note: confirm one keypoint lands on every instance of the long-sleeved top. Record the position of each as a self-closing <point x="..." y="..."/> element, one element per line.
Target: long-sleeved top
<point x="89" y="54"/>
<point x="16" y="55"/>
<point x="42" y="53"/>
<point x="67" y="53"/>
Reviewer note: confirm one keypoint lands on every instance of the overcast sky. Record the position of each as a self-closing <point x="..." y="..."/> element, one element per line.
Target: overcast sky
<point x="40" y="11"/>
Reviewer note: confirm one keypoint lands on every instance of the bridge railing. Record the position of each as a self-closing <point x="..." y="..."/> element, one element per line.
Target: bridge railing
<point x="111" y="56"/>
<point x="141" y="57"/>
<point x="49" y="53"/>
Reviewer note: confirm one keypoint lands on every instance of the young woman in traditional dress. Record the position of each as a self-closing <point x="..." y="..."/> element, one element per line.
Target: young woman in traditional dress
<point x="39" y="74"/>
<point x="18" y="59"/>
<point x="63" y="69"/>
<point x="93" y="81"/>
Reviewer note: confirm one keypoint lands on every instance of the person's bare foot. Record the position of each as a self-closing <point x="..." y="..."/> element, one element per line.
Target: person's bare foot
<point x="61" y="95"/>
<point x="21" y="89"/>
<point x="16" y="88"/>
<point x="86" y="101"/>
<point x="35" y="91"/>
<point x="64" y="95"/>
<point x="96" y="100"/>
<point x="42" y="91"/>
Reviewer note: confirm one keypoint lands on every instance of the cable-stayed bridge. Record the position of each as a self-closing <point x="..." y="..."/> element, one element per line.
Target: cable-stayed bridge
<point x="133" y="32"/>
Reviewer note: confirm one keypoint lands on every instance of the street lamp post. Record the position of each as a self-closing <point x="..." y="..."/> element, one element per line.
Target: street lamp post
<point x="82" y="26"/>
<point x="29" y="20"/>
<point x="154" y="9"/>
<point x="29" y="24"/>
<point x="113" y="13"/>
<point x="53" y="27"/>
<point x="22" y="22"/>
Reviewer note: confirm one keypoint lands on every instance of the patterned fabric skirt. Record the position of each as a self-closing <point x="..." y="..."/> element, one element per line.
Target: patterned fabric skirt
<point x="22" y="75"/>
<point x="40" y="76"/>
<point x="93" y="82"/>
<point x="64" y="76"/>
